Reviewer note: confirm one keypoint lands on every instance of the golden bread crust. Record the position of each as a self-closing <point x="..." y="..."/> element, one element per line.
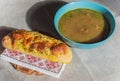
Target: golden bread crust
<point x="26" y="70"/>
<point x="38" y="45"/>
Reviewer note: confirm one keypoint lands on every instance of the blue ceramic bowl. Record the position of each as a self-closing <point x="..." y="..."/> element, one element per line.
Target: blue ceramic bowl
<point x="89" y="5"/>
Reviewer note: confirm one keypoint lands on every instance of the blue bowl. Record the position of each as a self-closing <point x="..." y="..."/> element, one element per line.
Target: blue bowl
<point x="89" y="5"/>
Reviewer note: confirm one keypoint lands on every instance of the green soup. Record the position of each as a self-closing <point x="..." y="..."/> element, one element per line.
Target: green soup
<point x="84" y="25"/>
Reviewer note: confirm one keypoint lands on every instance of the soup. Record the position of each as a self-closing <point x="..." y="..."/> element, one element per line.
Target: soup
<point x="84" y="25"/>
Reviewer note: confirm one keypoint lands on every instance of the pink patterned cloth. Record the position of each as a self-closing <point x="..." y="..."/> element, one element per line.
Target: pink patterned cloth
<point x="34" y="61"/>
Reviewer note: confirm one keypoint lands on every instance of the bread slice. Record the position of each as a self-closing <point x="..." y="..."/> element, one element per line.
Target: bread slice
<point x="38" y="45"/>
<point x="26" y="70"/>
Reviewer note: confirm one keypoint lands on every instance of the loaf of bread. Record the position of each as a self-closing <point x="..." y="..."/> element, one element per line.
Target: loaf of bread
<point x="38" y="45"/>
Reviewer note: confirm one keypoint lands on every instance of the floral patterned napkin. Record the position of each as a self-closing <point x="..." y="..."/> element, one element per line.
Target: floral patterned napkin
<point x="42" y="65"/>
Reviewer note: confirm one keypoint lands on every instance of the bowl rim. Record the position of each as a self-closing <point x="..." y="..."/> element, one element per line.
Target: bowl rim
<point x="79" y="43"/>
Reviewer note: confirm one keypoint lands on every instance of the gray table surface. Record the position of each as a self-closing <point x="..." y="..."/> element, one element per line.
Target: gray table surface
<point x="98" y="64"/>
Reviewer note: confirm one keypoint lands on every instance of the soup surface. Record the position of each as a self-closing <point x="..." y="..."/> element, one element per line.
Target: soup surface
<point x="83" y="25"/>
